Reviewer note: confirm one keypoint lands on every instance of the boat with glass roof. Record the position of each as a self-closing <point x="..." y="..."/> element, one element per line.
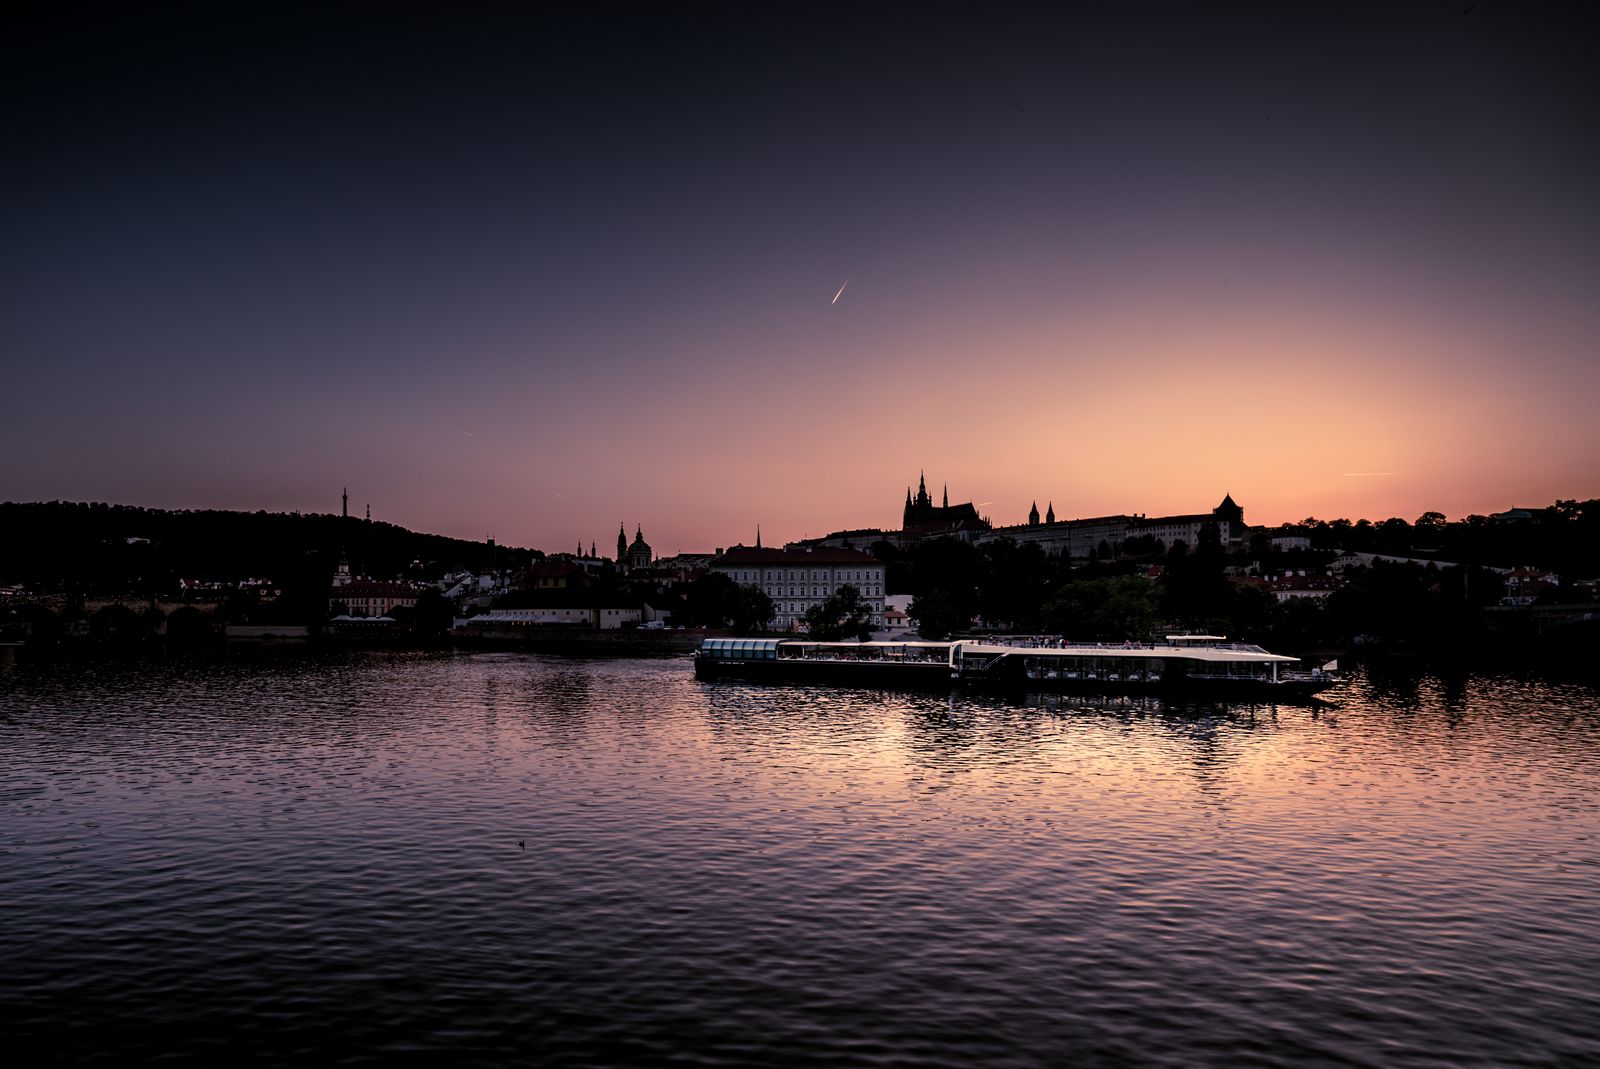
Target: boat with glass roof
<point x="1184" y="664"/>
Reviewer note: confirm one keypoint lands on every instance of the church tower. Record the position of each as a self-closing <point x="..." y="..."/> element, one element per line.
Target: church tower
<point x="622" y="545"/>
<point x="1033" y="515"/>
<point x="639" y="554"/>
<point x="1050" y="513"/>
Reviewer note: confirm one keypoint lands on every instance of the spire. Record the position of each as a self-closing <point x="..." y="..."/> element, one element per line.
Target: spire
<point x="344" y="504"/>
<point x="592" y="552"/>
<point x="758" y="536"/>
<point x="1033" y="515"/>
<point x="1050" y="513"/>
<point x="622" y="543"/>
<point x="946" y="495"/>
<point x="922" y="483"/>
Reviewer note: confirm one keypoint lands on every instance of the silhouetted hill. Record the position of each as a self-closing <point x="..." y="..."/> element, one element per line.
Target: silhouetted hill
<point x="83" y="547"/>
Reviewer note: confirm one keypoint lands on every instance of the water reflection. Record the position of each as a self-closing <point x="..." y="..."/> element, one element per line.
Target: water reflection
<point x="289" y="855"/>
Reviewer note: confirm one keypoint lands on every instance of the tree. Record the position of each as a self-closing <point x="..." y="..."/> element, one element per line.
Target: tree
<point x="715" y="600"/>
<point x="1014" y="581"/>
<point x="752" y="610"/>
<point x="841" y="615"/>
<point x="1194" y="589"/>
<point x="937" y="616"/>
<point x="1430" y="521"/>
<point x="955" y="569"/>
<point x="1114" y="608"/>
<point x="432" y="615"/>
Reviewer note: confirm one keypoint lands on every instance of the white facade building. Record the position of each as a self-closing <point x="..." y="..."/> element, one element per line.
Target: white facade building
<point x="800" y="577"/>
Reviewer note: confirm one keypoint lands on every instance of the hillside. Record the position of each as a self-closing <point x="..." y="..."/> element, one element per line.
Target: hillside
<point x="60" y="546"/>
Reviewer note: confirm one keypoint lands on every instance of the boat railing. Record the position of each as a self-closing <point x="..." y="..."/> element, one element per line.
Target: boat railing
<point x="979" y="663"/>
<point x="866" y="654"/>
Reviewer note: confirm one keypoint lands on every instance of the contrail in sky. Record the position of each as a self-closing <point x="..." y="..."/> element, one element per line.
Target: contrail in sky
<point x="836" y="296"/>
<point x="469" y="434"/>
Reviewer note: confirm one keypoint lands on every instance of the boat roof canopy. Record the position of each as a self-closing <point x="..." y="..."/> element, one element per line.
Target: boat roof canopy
<point x="1168" y="653"/>
<point x="869" y="645"/>
<point x="765" y="644"/>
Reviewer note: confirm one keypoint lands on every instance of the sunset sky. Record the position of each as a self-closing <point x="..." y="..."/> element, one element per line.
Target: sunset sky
<point x="542" y="277"/>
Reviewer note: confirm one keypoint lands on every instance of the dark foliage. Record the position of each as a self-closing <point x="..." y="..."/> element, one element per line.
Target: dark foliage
<point x="843" y="615"/>
<point x="715" y="600"/>
<point x="61" y="547"/>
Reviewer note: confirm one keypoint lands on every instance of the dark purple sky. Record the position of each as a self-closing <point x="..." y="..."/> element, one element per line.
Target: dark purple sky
<point x="539" y="276"/>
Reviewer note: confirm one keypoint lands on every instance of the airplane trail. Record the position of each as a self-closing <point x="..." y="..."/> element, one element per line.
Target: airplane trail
<point x="836" y="296"/>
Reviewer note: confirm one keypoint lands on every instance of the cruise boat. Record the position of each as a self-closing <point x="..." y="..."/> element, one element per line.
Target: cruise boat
<point x="1188" y="665"/>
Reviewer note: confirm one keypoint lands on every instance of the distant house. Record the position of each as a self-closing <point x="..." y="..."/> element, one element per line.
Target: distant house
<point x="558" y="573"/>
<point x="1516" y="514"/>
<point x="1295" y="587"/>
<point x="1290" y="543"/>
<point x="371" y="597"/>
<point x="1525" y="585"/>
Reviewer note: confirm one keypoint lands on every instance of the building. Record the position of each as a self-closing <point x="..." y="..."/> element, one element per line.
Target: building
<point x="371" y="597"/>
<point x="797" y="578"/>
<point x="1524" y="585"/>
<point x="856" y="538"/>
<point x="1294" y="586"/>
<point x="602" y="617"/>
<point x="1228" y="518"/>
<point x="1100" y="534"/>
<point x="923" y="519"/>
<point x="1072" y="538"/>
<point x="637" y="555"/>
<point x="556" y="573"/>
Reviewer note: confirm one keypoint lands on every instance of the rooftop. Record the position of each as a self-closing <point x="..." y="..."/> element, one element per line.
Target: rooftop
<point x="796" y="555"/>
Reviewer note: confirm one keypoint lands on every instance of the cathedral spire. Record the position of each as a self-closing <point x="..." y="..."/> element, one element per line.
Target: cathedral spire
<point x="1033" y="515"/>
<point x="758" y="536"/>
<point x="1050" y="513"/>
<point x="946" y="495"/>
<point x="622" y="544"/>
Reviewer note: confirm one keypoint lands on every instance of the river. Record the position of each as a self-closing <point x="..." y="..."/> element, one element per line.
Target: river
<point x="489" y="858"/>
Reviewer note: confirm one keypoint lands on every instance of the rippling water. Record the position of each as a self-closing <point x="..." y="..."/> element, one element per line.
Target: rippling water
<point x="568" y="862"/>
